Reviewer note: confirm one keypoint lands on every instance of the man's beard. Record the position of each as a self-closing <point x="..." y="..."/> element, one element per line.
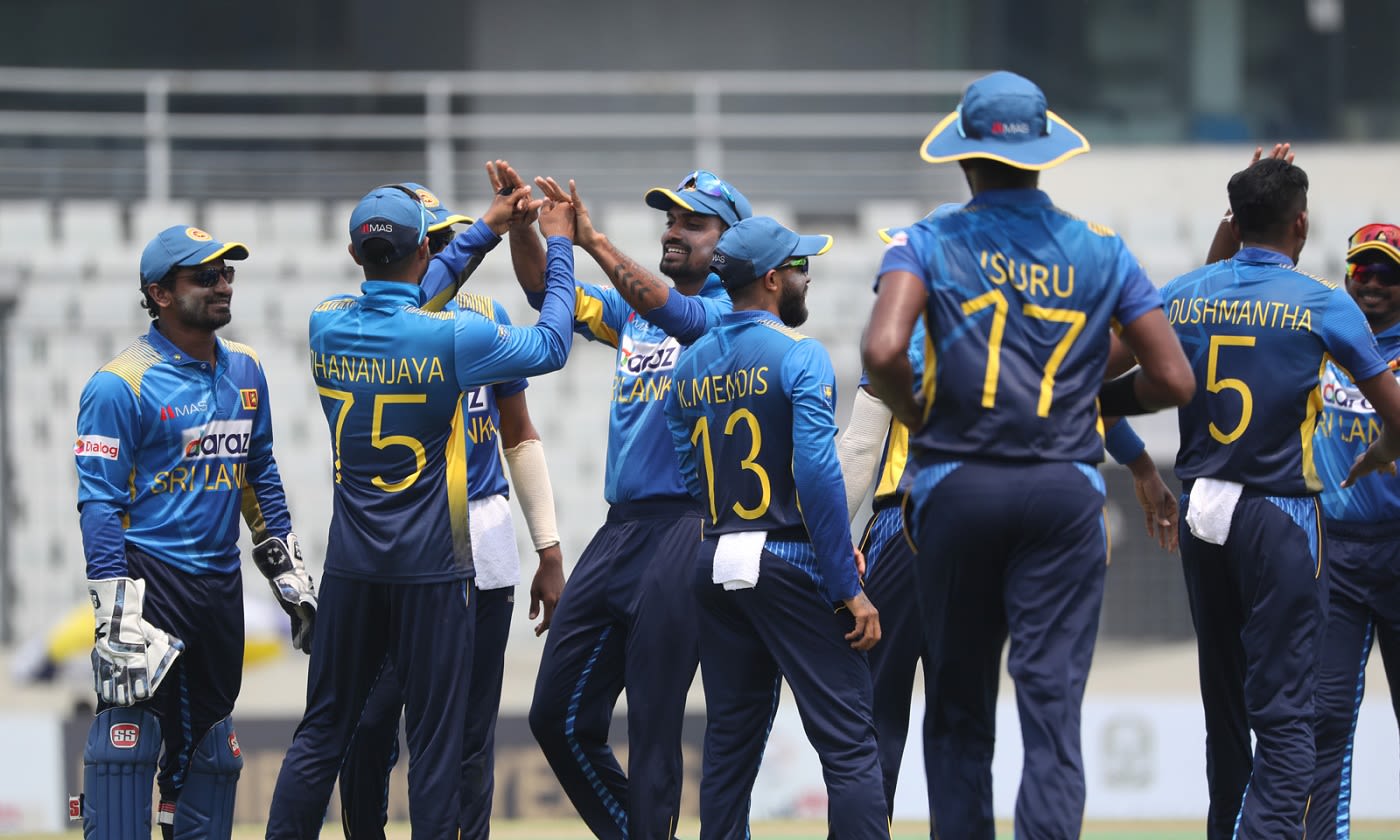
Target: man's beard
<point x="792" y="307"/>
<point x="195" y="314"/>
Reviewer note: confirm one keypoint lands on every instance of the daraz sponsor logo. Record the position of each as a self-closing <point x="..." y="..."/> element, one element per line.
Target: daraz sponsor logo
<point x="219" y="439"/>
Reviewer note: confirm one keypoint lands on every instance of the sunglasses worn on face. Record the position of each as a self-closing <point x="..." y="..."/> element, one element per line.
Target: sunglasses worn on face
<point x="209" y="277"/>
<point x="1382" y="275"/>
<point x="799" y="263"/>
<point x="707" y="182"/>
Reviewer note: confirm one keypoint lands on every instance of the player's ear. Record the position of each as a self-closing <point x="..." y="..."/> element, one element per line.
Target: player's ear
<point x="354" y="256"/>
<point x="772" y="282"/>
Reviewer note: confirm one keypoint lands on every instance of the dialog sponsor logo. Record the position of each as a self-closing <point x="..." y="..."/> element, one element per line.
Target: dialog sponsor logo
<point x="97" y="446"/>
<point x="219" y="439"/>
<point x="124" y="736"/>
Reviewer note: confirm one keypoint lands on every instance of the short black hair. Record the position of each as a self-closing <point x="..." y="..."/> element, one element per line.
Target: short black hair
<point x="148" y="303"/>
<point x="1267" y="197"/>
<point x="1002" y="176"/>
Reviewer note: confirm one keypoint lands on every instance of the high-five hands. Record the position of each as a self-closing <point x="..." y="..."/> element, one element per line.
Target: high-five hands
<point x="510" y="201"/>
<point x="585" y="234"/>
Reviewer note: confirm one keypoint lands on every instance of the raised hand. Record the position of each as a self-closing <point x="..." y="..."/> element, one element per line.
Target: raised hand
<point x="557" y="218"/>
<point x="504" y="177"/>
<point x="511" y="197"/>
<point x="585" y="234"/>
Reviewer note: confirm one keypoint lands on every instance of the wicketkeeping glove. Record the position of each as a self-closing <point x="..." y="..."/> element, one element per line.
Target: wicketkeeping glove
<point x="130" y="657"/>
<point x="280" y="562"/>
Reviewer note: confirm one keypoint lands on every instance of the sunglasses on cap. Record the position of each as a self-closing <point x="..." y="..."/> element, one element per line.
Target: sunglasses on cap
<point x="707" y="182"/>
<point x="801" y="264"/>
<point x="208" y="278"/>
<point x="1377" y="232"/>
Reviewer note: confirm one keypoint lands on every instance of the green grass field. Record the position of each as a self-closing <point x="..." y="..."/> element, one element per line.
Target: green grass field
<point x="801" y="830"/>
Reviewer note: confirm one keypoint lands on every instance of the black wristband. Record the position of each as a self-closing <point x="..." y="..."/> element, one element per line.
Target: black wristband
<point x="1118" y="398"/>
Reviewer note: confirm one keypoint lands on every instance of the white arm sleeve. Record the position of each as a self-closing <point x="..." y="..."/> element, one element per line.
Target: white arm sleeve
<point x="529" y="476"/>
<point x="859" y="449"/>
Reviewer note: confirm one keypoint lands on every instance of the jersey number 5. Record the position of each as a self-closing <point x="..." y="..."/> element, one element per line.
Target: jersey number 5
<point x="376" y="437"/>
<point x="1215" y="386"/>
<point x="997" y="301"/>
<point x="701" y="437"/>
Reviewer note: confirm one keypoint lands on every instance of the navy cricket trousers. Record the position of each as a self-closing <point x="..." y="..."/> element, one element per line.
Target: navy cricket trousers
<point x="425" y="632"/>
<point x="1018" y="548"/>
<point x="1363" y="570"/>
<point x="783" y="628"/>
<point x="1259" y="604"/>
<point x="889" y="583"/>
<point x="374" y="749"/>
<point x="626" y="618"/>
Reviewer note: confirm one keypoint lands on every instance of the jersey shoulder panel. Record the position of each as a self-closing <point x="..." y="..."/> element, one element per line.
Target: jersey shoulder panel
<point x="336" y="303"/>
<point x="478" y="303"/>
<point x="783" y="329"/>
<point x="420" y="312"/>
<point x="1093" y="227"/>
<point x="1331" y="284"/>
<point x="132" y="363"/>
<point x="241" y="348"/>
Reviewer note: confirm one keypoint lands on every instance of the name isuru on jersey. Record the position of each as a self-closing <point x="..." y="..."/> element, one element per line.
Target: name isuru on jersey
<point x="1028" y="277"/>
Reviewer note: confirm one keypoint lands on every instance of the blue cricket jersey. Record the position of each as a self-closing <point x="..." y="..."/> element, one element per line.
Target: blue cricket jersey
<point x="440" y="280"/>
<point x="752" y="419"/>
<point x="1021" y="297"/>
<point x="1257" y="332"/>
<point x="169" y="452"/>
<point x="482" y="424"/>
<point x="641" y="460"/>
<point x="1347" y="426"/>
<point x="391" y="376"/>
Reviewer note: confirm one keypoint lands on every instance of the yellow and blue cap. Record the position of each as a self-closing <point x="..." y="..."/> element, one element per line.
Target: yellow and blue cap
<point x="1377" y="239"/>
<point x="755" y="246"/>
<point x="392" y="214"/>
<point x="440" y="216"/>
<point x="1003" y="117"/>
<point x="703" y="192"/>
<point x="180" y="245"/>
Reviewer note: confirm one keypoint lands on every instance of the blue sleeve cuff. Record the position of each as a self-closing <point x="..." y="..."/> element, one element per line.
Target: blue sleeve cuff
<point x="1123" y="443"/>
<point x="681" y="316"/>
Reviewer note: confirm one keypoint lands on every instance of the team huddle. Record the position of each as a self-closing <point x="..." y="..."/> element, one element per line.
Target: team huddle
<point x="1007" y="341"/>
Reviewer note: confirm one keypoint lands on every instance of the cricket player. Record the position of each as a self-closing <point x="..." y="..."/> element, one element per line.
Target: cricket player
<point x="752" y="418"/>
<point x="1006" y="505"/>
<point x="1258" y="333"/>
<point x="497" y="423"/>
<point x="627" y="619"/>
<point x="1363" y="538"/>
<point x="174" y="441"/>
<point x="399" y="581"/>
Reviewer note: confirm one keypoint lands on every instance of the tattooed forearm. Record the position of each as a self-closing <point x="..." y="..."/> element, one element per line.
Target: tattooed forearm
<point x="639" y="287"/>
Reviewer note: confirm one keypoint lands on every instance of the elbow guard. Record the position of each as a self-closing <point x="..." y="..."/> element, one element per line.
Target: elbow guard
<point x="529" y="476"/>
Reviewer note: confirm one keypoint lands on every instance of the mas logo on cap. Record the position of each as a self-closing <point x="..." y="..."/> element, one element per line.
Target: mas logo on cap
<point x="198" y="235"/>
